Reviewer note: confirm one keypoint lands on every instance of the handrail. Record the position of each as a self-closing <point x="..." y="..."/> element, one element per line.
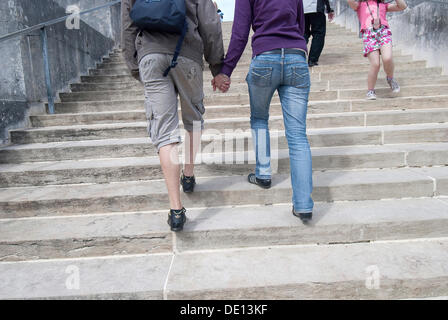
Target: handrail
<point x="42" y="27"/>
<point x="54" y="21"/>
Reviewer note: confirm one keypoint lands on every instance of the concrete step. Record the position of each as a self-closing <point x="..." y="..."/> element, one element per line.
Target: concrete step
<point x="348" y="67"/>
<point x="335" y="68"/>
<point x="241" y="86"/>
<point x="84" y="236"/>
<point x="240" y="75"/>
<point x="332" y="95"/>
<point x="82" y="192"/>
<point x="403" y="81"/>
<point x="76" y="150"/>
<point x="221" y="122"/>
<point x="426" y="132"/>
<point x="121" y="147"/>
<point x="398" y="103"/>
<point x="99" y="280"/>
<point x="378" y="270"/>
<point x="113" y="169"/>
<point x="231" y="98"/>
<point x="220" y="228"/>
<point x="245" y="60"/>
<point x="327" y="56"/>
<point x="107" y="79"/>
<point x="133" y="196"/>
<point x="243" y="98"/>
<point x="103" y="86"/>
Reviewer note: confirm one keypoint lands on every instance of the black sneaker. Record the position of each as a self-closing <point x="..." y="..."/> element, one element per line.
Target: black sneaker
<point x="187" y="183"/>
<point x="305" y="217"/>
<point x="312" y="64"/>
<point x="264" y="183"/>
<point x="177" y="219"/>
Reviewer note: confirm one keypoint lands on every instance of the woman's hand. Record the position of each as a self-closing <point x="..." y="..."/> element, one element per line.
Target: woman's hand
<point x="222" y="82"/>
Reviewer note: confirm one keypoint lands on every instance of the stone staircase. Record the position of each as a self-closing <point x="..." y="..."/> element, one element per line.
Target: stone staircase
<point x="83" y="203"/>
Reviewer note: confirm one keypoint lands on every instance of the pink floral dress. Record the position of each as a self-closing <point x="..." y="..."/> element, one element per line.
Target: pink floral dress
<point x="375" y="39"/>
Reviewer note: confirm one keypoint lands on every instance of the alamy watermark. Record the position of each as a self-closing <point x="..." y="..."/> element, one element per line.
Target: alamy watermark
<point x="73" y="281"/>
<point x="373" y="279"/>
<point x="228" y="146"/>
<point x="73" y="21"/>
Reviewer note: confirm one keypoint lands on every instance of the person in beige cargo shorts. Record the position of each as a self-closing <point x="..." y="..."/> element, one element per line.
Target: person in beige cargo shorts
<point x="148" y="55"/>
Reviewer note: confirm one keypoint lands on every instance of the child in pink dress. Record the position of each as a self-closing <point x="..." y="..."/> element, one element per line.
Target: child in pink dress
<point x="377" y="39"/>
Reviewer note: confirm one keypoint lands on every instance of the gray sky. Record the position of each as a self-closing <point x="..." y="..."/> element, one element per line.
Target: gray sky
<point x="227" y="7"/>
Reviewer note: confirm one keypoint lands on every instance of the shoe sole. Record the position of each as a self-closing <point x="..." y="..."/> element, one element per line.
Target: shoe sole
<point x="188" y="191"/>
<point x="304" y="219"/>
<point x="178" y="228"/>
<point x="261" y="186"/>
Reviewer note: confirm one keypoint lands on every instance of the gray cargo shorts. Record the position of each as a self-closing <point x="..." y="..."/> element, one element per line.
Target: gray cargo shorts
<point x="161" y="103"/>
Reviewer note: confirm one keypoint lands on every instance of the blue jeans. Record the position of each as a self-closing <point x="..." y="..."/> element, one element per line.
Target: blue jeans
<point x="287" y="73"/>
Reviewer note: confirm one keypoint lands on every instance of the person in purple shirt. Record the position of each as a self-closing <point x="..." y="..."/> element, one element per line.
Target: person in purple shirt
<point x="279" y="63"/>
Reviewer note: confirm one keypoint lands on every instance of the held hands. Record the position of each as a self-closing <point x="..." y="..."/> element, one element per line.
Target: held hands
<point x="222" y="82"/>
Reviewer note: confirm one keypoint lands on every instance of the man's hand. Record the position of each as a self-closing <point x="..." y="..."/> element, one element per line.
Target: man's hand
<point x="222" y="82"/>
<point x="331" y="16"/>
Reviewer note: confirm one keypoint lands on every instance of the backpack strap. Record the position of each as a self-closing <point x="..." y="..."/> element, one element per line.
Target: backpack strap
<point x="178" y="48"/>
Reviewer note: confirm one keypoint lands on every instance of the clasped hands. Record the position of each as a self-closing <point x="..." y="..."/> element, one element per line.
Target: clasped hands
<point x="222" y="82"/>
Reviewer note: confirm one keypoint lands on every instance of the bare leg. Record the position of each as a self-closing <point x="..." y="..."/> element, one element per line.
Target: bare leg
<point x="388" y="62"/>
<point x="169" y="156"/>
<point x="192" y="144"/>
<point x="374" y="59"/>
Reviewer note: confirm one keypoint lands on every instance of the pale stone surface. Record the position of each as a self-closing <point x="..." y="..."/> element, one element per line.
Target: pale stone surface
<point x="221" y="227"/>
<point x="98" y="143"/>
<point x="440" y="174"/>
<point x="314" y="272"/>
<point x="84" y="236"/>
<point x="116" y="277"/>
<point x="148" y="168"/>
<point x="213" y="228"/>
<point x="217" y="118"/>
<point x="150" y="195"/>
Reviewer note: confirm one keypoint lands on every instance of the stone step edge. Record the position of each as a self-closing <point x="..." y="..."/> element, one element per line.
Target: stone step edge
<point x="366" y="114"/>
<point x="143" y="124"/>
<point x="382" y="86"/>
<point x="246" y="104"/>
<point x="243" y="83"/>
<point x="248" y="156"/>
<point x="169" y="276"/>
<point x="247" y="226"/>
<point x="430" y="176"/>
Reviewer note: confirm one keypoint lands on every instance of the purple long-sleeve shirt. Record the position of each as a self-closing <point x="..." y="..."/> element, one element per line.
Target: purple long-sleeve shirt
<point x="276" y="23"/>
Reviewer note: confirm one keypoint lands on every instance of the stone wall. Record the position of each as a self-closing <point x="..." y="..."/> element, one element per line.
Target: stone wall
<point x="420" y="30"/>
<point x="71" y="53"/>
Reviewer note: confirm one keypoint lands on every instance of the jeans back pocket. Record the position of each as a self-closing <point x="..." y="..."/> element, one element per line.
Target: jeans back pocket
<point x="261" y="76"/>
<point x="300" y="77"/>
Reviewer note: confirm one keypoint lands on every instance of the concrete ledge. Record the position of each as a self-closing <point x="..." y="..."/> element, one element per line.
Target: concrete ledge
<point x="212" y="191"/>
<point x="313" y="272"/>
